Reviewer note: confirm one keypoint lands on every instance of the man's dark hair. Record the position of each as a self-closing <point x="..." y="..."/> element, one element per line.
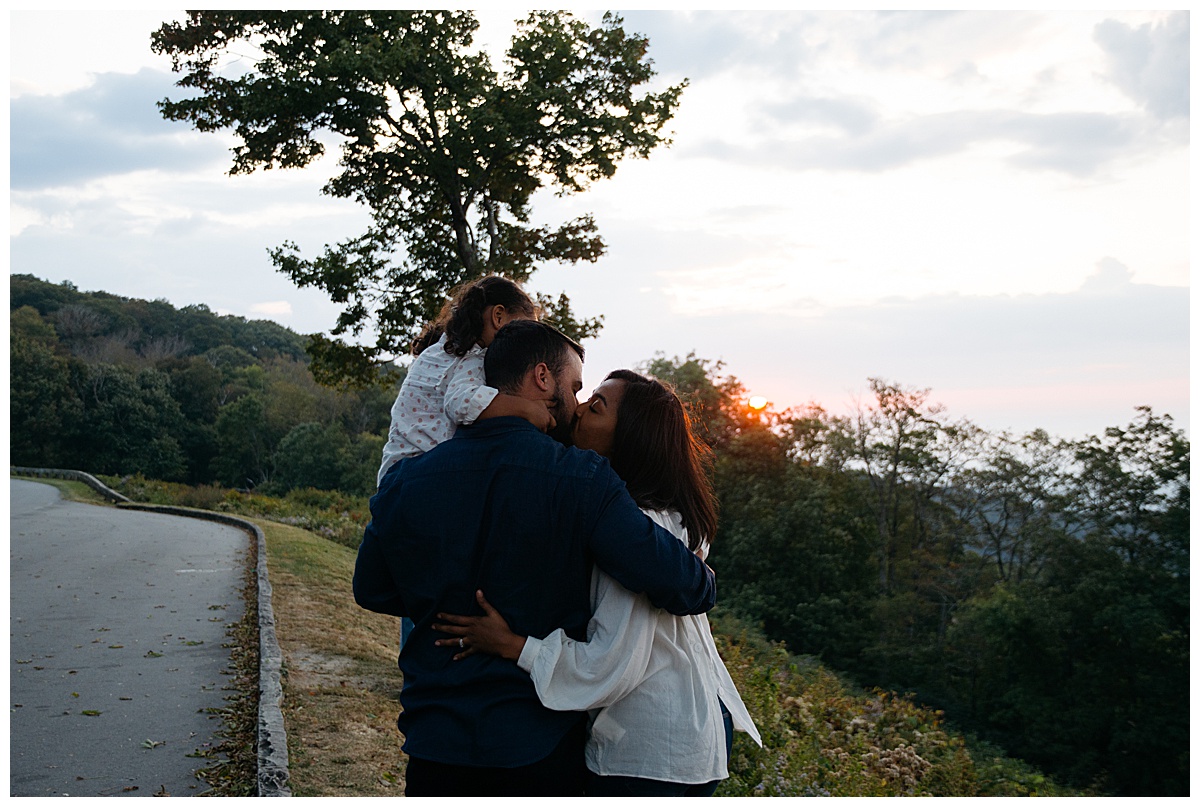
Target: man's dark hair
<point x="519" y="347"/>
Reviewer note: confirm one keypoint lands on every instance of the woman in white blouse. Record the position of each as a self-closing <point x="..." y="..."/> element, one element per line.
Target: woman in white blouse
<point x="662" y="705"/>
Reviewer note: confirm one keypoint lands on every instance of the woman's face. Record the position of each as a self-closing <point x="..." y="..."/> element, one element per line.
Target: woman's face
<point x="596" y="418"/>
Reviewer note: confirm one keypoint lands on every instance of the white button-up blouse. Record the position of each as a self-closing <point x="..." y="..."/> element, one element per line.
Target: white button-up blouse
<point x="651" y="681"/>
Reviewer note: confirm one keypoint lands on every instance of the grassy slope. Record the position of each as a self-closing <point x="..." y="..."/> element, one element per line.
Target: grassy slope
<point x="341" y="685"/>
<point x="822" y="737"/>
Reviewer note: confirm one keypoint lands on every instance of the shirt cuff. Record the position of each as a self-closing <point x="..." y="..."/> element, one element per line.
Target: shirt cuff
<point x="529" y="653"/>
<point x="479" y="401"/>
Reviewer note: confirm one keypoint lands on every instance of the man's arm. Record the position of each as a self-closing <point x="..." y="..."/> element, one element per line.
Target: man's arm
<point x="643" y="557"/>
<point x="374" y="588"/>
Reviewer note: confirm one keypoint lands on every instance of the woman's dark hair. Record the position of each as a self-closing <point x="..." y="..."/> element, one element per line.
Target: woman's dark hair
<point x="656" y="453"/>
<point x="461" y="318"/>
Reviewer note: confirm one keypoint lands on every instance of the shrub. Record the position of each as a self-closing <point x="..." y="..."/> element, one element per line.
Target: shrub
<point x="328" y="513"/>
<point x="821" y="737"/>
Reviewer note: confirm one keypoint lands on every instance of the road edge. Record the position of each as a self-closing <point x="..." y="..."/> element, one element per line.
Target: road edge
<point x="79" y="476"/>
<point x="272" y="736"/>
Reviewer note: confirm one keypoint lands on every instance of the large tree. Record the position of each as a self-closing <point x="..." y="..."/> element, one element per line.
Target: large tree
<point x="445" y="151"/>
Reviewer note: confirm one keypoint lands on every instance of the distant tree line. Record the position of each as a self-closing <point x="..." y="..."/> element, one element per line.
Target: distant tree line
<point x="1035" y="588"/>
<point x="122" y="386"/>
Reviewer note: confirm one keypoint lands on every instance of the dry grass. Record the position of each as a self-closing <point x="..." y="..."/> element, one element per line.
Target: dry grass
<point x="341" y="686"/>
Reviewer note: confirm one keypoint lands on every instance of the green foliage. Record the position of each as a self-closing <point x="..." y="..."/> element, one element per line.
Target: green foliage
<point x="128" y="422"/>
<point x="331" y="514"/>
<point x="1080" y="667"/>
<point x="794" y="555"/>
<point x="1132" y="484"/>
<point x="101" y="327"/>
<point x="557" y="312"/>
<point x="1008" y="503"/>
<point x="309" y="457"/>
<point x="244" y="441"/>
<point x="1085" y="670"/>
<point x="1001" y="775"/>
<point x="715" y="402"/>
<point x="26" y="323"/>
<point x="42" y="404"/>
<point x="82" y="397"/>
<point x="358" y="463"/>
<point x="45" y="298"/>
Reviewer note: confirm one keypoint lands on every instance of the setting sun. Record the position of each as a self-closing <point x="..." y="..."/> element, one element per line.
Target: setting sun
<point x="757" y="403"/>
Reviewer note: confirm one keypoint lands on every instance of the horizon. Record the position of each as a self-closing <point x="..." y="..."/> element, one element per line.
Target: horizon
<point x="752" y="398"/>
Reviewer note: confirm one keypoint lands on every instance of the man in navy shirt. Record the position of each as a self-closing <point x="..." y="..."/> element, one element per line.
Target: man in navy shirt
<point x="503" y="508"/>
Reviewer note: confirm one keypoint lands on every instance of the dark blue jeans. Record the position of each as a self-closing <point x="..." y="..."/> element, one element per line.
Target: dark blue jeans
<point x="559" y="774"/>
<point x="634" y="786"/>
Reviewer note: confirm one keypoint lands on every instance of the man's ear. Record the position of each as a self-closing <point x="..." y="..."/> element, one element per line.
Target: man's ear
<point x="543" y="378"/>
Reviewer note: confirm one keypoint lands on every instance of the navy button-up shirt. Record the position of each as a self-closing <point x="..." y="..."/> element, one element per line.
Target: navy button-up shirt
<point x="503" y="508"/>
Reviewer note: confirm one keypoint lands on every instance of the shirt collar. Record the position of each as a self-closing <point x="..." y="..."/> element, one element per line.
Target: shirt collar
<point x="490" y="426"/>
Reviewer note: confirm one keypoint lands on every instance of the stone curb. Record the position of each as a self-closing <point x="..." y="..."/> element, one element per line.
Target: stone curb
<point x="79" y="476"/>
<point x="272" y="738"/>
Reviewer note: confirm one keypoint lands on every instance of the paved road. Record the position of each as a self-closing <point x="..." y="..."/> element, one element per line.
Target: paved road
<point x="122" y="614"/>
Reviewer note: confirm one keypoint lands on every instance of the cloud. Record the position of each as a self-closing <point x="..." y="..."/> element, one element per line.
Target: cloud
<point x="189" y="239"/>
<point x="111" y="127"/>
<point x="278" y="308"/>
<point x="850" y="115"/>
<point x="1150" y="63"/>
<point x="1111" y="277"/>
<point x="787" y="44"/>
<point x="870" y="92"/>
<point x="932" y="40"/>
<point x="700" y="44"/>
<point x="1070" y="362"/>
<point x="1078" y="144"/>
<point x="230" y="272"/>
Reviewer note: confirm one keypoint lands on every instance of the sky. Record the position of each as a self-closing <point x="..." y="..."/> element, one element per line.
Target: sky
<point x="990" y="205"/>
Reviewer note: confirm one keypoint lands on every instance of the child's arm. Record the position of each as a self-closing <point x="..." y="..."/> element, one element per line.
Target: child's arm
<point x="505" y="405"/>
<point x="467" y="396"/>
<point x="468" y="399"/>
